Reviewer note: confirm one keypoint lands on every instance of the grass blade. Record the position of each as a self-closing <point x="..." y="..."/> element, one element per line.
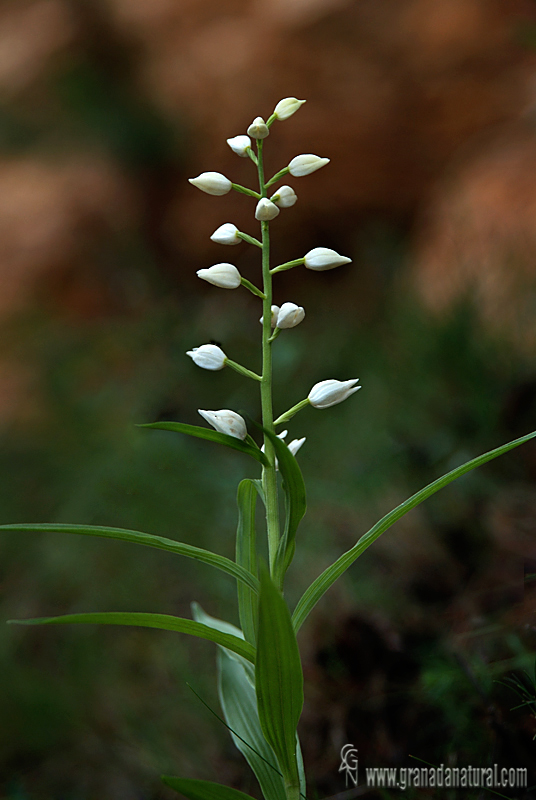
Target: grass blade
<point x="248" y="447"/>
<point x="143" y="620"/>
<point x="159" y="542"/>
<point x="320" y="586"/>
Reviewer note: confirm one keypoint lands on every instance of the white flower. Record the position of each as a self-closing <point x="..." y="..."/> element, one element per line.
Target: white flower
<point x="208" y="356"/>
<point x="273" y="321"/>
<point x="295" y="444"/>
<point x="305" y="164"/>
<point x="285" y="197"/>
<point x="226" y="234"/>
<point x="226" y="421"/>
<point x="329" y="393"/>
<point x="258" y="129"/>
<point x="289" y="315"/>
<point x="212" y="183"/>
<point x="287" y="107"/>
<point x="226" y="276"/>
<point x="322" y="258"/>
<point x="266" y="209"/>
<point x="240" y="145"/>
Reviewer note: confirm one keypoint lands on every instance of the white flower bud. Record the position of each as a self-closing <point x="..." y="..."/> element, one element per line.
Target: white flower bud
<point x="289" y="315"/>
<point x="266" y="210"/>
<point x="258" y="129"/>
<point x="273" y="321"/>
<point x="287" y="107"/>
<point x="226" y="421"/>
<point x="240" y="145"/>
<point x="226" y="276"/>
<point x="285" y="197"/>
<point x="295" y="444"/>
<point x="212" y="183"/>
<point x="329" y="393"/>
<point x="305" y="164"/>
<point x="226" y="234"/>
<point x="323" y="258"/>
<point x="208" y="356"/>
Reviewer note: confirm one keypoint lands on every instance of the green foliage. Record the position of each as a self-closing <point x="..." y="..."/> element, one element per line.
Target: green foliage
<point x="278" y="678"/>
<point x="160" y="621"/>
<point x="159" y="542"/>
<point x="246" y="556"/>
<point x="320" y="586"/>
<point x="203" y="790"/>
<point x="248" y="447"/>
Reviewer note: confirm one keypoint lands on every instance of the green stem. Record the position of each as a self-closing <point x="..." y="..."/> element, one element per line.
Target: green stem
<point x="249" y="239"/>
<point x="269" y="475"/>
<point x="253" y="289"/>
<point x="244" y="190"/>
<point x="288" y="265"/>
<point x="242" y="370"/>
<point x="291" y="412"/>
<point x="277" y="176"/>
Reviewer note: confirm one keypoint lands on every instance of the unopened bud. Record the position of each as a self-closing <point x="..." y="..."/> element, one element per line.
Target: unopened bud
<point x="290" y="315"/>
<point x="240" y="145"/>
<point x="226" y="421"/>
<point x="226" y="276"/>
<point x="226" y="234"/>
<point x="329" y="393"/>
<point x="212" y="183"/>
<point x="287" y="107"/>
<point x="208" y="356"/>
<point x="258" y="129"/>
<point x="285" y="197"/>
<point x="305" y="164"/>
<point x="273" y="320"/>
<point x="266" y="210"/>
<point x="323" y="258"/>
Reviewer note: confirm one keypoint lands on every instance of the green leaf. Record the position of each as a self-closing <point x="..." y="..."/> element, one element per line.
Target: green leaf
<point x="203" y="790"/>
<point x="320" y="586"/>
<point x="213" y="436"/>
<point x="239" y="705"/>
<point x="295" y="501"/>
<point x="161" y="621"/>
<point x="278" y="678"/>
<point x="225" y="627"/>
<point x="148" y="539"/>
<point x="246" y="555"/>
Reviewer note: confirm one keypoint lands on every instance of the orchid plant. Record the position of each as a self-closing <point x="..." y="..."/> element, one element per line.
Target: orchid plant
<point x="259" y="666"/>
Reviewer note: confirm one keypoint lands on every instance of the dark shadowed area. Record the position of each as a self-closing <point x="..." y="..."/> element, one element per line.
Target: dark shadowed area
<point x="427" y="110"/>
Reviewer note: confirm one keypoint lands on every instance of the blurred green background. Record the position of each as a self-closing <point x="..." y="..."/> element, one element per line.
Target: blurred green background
<point x="108" y="107"/>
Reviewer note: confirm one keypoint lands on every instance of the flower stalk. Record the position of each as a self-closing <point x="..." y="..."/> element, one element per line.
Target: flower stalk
<point x="269" y="475"/>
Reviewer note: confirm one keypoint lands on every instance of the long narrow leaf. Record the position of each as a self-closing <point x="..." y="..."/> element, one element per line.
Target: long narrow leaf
<point x="142" y="620"/>
<point x="148" y="539"/>
<point x="278" y="678"/>
<point x="320" y="586"/>
<point x="296" y="502"/>
<point x="239" y="705"/>
<point x="225" y="627"/>
<point x="203" y="790"/>
<point x="246" y="555"/>
<point x="212" y="436"/>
